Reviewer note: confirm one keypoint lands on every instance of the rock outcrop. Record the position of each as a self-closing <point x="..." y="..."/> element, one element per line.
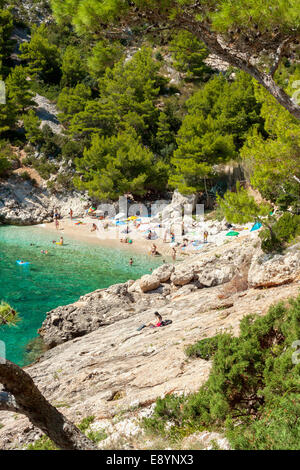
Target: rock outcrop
<point x="23" y="204"/>
<point x="116" y="372"/>
<point x="274" y="270"/>
<point x="149" y="282"/>
<point x="92" y="311"/>
<point x="106" y="306"/>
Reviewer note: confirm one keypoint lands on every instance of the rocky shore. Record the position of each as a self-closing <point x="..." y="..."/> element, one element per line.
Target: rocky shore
<point x="21" y="203"/>
<point x="98" y="364"/>
<point x="237" y="267"/>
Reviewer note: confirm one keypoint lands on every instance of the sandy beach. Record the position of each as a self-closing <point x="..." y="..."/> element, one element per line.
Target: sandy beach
<point x="91" y="230"/>
<point x="109" y="237"/>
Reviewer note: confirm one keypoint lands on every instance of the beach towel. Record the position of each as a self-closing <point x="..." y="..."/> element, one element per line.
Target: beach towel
<point x="232" y="234"/>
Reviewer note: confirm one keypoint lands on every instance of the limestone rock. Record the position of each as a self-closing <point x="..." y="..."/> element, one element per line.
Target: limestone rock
<point x="215" y="277"/>
<point x="182" y="276"/>
<point x="149" y="282"/>
<point x="23" y="204"/>
<point x="164" y="272"/>
<point x="270" y="271"/>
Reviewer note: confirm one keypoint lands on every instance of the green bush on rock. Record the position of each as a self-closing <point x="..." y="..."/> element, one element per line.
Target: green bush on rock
<point x="253" y="391"/>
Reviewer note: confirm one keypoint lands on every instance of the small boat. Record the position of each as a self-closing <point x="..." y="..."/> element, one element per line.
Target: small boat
<point x="22" y="263"/>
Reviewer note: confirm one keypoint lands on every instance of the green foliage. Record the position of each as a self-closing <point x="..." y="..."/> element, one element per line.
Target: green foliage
<point x="72" y="101"/>
<point x="273" y="162"/>
<point x="42" y="59"/>
<point x="240" y="207"/>
<point x="97" y="436"/>
<point x="6" y="27"/>
<point x="284" y="231"/>
<point x="225" y="14"/>
<point x="8" y="316"/>
<point x="7" y="116"/>
<point x="204" y="349"/>
<point x="113" y="166"/>
<point x="85" y="423"/>
<point x="44" y="167"/>
<point x="104" y="54"/>
<point x="33" y="132"/>
<point x="43" y="443"/>
<point x="253" y="388"/>
<point x="73" y="67"/>
<point x="5" y="159"/>
<point x="18" y="88"/>
<point x="218" y="119"/>
<point x="127" y="98"/>
<point x="189" y="55"/>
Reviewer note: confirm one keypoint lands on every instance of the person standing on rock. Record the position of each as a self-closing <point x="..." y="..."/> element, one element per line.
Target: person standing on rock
<point x="173" y="254"/>
<point x="205" y="236"/>
<point x="71" y="214"/>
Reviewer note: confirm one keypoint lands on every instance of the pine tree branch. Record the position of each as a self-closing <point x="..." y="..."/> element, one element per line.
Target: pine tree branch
<point x="278" y="56"/>
<point x="21" y="395"/>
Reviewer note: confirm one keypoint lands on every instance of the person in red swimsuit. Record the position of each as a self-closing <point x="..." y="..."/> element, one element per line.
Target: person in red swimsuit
<point x="159" y="320"/>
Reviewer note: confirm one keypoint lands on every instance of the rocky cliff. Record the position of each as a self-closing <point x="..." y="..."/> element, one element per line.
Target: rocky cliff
<point x="21" y="203"/>
<point x="102" y="366"/>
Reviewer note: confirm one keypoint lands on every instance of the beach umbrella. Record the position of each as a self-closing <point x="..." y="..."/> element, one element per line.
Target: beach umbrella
<point x="256" y="226"/>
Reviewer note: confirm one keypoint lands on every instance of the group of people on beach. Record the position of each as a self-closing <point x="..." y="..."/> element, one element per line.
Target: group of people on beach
<point x="127" y="240"/>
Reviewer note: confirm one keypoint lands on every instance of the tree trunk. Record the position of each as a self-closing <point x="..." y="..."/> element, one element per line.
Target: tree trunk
<point x="242" y="61"/>
<point x="21" y="395"/>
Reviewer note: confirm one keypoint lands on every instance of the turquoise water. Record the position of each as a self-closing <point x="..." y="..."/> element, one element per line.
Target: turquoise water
<point x="58" y="278"/>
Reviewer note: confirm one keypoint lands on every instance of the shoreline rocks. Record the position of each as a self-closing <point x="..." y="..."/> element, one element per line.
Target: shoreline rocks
<point x="23" y="204"/>
<point x="251" y="268"/>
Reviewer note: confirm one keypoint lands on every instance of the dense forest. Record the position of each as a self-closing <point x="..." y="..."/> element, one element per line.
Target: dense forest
<point x="142" y="106"/>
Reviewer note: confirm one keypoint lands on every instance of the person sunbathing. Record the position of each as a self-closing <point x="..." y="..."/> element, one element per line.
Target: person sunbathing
<point x="184" y="243"/>
<point x="159" y="320"/>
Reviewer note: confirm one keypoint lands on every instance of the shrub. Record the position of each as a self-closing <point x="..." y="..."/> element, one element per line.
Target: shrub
<point x="5" y="166"/>
<point x="253" y="389"/>
<point x="25" y="176"/>
<point x="284" y="231"/>
<point x="43" y="443"/>
<point x="8" y="316"/>
<point x="204" y="349"/>
<point x="85" y="423"/>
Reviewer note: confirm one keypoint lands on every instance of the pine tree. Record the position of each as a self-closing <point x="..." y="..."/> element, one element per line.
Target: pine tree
<point x="73" y="67"/>
<point x="250" y="35"/>
<point x="42" y="58"/>
<point x="104" y="54"/>
<point x="113" y="166"/>
<point x="18" y="88"/>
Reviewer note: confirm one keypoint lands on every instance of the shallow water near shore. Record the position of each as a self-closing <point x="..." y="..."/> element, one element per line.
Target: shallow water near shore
<point x="55" y="279"/>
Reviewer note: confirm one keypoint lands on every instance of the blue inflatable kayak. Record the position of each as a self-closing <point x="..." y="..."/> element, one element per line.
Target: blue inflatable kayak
<point x="22" y="263"/>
